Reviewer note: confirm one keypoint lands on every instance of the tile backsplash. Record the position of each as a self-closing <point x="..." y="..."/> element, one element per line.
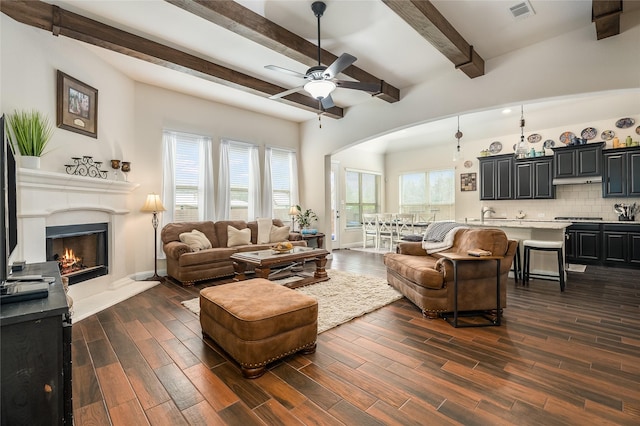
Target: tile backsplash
<point x="580" y="200"/>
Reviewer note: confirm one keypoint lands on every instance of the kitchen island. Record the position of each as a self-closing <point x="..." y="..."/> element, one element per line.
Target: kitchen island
<point x="542" y="263"/>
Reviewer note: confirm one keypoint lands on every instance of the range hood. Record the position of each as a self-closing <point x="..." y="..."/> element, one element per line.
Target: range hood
<point x="577" y="180"/>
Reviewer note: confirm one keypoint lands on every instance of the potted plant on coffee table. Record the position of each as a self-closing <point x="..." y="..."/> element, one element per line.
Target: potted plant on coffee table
<point x="29" y="132"/>
<point x="306" y="219"/>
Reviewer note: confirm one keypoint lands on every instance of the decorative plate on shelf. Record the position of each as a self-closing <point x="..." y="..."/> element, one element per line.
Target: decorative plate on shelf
<point x="607" y="135"/>
<point x="515" y="146"/>
<point x="623" y="123"/>
<point x="534" y="138"/>
<point x="468" y="164"/>
<point x="566" y="137"/>
<point x="589" y="133"/>
<point x="638" y="130"/>
<point x="495" y="147"/>
<point x="549" y="143"/>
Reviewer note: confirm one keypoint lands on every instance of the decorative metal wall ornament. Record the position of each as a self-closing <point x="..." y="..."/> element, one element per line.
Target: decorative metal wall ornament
<point x="85" y="166"/>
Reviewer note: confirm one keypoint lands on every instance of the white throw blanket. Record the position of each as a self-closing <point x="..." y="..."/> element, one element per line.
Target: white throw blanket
<point x="264" y="230"/>
<point x="447" y="241"/>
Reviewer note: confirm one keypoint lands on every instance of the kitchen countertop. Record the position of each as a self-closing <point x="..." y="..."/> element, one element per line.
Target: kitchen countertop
<point x="540" y="223"/>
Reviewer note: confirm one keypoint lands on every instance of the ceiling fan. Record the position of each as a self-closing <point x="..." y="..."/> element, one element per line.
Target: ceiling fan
<point x="321" y="80"/>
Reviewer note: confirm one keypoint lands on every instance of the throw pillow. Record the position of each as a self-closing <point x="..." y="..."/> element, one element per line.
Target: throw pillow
<point x="279" y="234"/>
<point x="238" y="237"/>
<point x="264" y="229"/>
<point x="196" y="240"/>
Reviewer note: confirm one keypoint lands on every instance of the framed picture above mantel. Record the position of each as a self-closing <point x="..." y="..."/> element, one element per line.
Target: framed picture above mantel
<point x="76" y="106"/>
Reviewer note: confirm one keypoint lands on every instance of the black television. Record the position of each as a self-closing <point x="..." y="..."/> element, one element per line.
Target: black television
<point x="8" y="204"/>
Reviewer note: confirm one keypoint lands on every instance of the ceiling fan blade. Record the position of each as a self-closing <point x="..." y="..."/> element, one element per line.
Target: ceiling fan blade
<point x="372" y="88"/>
<point x="339" y="65"/>
<point x="284" y="70"/>
<point x="286" y="92"/>
<point x="327" y="102"/>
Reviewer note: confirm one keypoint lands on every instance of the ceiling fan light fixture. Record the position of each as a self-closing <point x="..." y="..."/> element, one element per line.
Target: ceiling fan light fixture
<point x="320" y="89"/>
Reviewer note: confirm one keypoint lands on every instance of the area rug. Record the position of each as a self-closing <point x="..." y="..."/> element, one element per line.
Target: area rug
<point x="344" y="297"/>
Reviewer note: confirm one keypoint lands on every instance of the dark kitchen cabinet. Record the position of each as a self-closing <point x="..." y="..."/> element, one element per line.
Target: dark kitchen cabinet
<point x="496" y="177"/>
<point x="583" y="243"/>
<point x="578" y="160"/>
<point x="36" y="356"/>
<point x="533" y="179"/>
<point x="621" y="173"/>
<point x="621" y="244"/>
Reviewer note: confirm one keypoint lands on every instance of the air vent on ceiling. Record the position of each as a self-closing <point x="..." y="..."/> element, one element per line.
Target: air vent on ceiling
<point x="522" y="10"/>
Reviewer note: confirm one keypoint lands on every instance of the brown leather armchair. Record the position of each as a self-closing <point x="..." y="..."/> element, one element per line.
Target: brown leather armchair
<point x="427" y="279"/>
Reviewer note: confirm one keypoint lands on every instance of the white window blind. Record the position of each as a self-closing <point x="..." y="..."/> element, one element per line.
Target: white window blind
<point x="281" y="179"/>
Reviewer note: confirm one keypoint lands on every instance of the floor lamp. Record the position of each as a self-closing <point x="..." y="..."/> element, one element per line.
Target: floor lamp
<point x="154" y="205"/>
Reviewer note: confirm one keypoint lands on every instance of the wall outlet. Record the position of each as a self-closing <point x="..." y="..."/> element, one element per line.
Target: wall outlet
<point x="540" y="214"/>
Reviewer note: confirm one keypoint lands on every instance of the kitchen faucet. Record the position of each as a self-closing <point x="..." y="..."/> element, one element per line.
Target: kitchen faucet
<point x="484" y="210"/>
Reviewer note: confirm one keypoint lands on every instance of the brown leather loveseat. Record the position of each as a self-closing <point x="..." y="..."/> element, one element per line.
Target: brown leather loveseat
<point x="187" y="266"/>
<point x="427" y="279"/>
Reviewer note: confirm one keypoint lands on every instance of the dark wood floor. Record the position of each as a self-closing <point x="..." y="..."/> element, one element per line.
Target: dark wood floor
<point x="570" y="358"/>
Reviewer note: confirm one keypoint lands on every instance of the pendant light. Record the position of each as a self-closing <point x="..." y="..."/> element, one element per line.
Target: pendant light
<point x="521" y="149"/>
<point x="458" y="135"/>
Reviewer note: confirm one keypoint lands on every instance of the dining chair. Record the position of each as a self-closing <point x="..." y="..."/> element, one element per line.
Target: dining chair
<point x="386" y="229"/>
<point x="404" y="225"/>
<point x="370" y="229"/>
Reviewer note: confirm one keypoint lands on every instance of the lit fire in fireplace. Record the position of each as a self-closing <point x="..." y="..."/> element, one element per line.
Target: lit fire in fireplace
<point x="70" y="262"/>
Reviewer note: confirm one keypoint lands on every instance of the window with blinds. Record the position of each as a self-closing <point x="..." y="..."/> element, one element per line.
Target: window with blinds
<point x="187" y="177"/>
<point x="281" y="177"/>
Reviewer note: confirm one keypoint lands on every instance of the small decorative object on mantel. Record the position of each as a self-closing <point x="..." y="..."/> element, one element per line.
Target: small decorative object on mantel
<point x="126" y="168"/>
<point x="85" y="166"/>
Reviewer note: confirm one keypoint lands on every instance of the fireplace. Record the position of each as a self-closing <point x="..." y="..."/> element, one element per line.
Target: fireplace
<point x="80" y="250"/>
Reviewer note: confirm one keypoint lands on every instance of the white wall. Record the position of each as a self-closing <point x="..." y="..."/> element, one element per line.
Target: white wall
<point x="567" y="65"/>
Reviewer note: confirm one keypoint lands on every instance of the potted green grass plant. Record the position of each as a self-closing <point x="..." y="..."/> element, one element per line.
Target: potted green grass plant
<point x="29" y="132"/>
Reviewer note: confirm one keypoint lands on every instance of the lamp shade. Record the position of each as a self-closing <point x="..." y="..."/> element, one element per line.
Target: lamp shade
<point x="293" y="211"/>
<point x="320" y="89"/>
<point x="152" y="204"/>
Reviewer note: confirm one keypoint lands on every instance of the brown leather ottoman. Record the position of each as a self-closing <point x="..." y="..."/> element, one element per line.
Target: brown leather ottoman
<point x="257" y="322"/>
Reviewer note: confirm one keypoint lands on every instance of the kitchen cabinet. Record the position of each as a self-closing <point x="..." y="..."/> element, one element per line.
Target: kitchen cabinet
<point x="621" y="244"/>
<point x="533" y="179"/>
<point x="583" y="243"/>
<point x="36" y="356"/>
<point x="621" y="173"/>
<point x="578" y="160"/>
<point x="496" y="177"/>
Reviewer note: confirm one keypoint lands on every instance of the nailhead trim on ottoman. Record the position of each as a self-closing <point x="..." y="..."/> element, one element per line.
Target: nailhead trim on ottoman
<point x="257" y="321"/>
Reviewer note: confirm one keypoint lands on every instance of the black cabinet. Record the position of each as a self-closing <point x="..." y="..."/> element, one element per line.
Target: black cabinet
<point x="533" y="179"/>
<point x="496" y="177"/>
<point x="578" y="160"/>
<point x="36" y="356"/>
<point x="583" y="242"/>
<point x="621" y="173"/>
<point x="621" y="244"/>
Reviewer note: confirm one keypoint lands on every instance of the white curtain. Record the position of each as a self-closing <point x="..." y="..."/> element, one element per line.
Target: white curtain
<point x="295" y="196"/>
<point x="169" y="176"/>
<point x="206" y="209"/>
<point x="224" y="195"/>
<point x="267" y="186"/>
<point x="254" y="184"/>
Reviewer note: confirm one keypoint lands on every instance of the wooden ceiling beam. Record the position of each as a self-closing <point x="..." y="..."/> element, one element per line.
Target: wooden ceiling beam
<point x="606" y="15"/>
<point x="423" y="17"/>
<point x="62" y="22"/>
<point x="242" y="21"/>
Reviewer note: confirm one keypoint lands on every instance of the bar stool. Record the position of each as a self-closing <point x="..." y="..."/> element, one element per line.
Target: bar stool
<point x="555" y="246"/>
<point x="517" y="263"/>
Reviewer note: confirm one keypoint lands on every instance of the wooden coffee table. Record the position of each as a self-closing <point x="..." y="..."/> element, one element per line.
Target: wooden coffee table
<point x="264" y="260"/>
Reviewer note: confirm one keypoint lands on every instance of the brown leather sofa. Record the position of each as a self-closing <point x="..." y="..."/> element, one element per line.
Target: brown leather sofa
<point x="187" y="267"/>
<point x="427" y="279"/>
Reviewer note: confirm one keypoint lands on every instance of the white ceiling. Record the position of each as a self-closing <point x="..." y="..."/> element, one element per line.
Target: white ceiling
<point x="384" y="44"/>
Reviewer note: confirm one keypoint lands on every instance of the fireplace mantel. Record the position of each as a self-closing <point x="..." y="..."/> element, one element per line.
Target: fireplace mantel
<point x="46" y="180"/>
